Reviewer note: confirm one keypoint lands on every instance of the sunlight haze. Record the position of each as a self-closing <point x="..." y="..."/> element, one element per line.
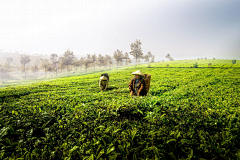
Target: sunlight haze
<point x="184" y="29"/>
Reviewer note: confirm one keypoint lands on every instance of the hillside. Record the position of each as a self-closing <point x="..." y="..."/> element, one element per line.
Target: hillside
<point x="188" y="113"/>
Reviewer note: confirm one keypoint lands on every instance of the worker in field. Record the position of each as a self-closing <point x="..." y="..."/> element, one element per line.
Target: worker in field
<point x="103" y="83"/>
<point x="137" y="85"/>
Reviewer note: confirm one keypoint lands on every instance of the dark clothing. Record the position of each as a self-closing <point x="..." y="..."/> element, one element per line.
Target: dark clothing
<point x="139" y="88"/>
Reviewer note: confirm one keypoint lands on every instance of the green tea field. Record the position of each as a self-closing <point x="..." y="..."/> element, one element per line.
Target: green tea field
<point x="189" y="113"/>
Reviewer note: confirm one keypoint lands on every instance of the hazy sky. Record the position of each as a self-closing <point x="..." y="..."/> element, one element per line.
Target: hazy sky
<point x="185" y="29"/>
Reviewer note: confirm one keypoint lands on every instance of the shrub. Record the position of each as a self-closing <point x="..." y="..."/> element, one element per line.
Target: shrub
<point x="195" y="65"/>
<point x="209" y="65"/>
<point x="234" y="61"/>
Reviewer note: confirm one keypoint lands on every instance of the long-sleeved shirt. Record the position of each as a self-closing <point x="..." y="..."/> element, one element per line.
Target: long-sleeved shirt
<point x="140" y="85"/>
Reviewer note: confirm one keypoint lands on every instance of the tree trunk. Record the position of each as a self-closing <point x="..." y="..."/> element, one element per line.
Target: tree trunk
<point x="135" y="61"/>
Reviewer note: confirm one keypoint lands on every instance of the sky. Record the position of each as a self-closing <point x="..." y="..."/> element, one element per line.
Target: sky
<point x="186" y="29"/>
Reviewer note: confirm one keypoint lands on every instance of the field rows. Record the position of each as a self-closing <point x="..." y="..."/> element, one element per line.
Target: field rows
<point x="188" y="113"/>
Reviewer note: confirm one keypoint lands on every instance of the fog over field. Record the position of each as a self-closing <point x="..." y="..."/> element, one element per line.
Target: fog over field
<point x="182" y="29"/>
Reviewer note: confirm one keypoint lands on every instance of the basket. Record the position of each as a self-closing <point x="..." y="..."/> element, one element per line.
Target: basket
<point x="147" y="79"/>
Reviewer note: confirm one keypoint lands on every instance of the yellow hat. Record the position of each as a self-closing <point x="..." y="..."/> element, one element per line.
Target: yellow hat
<point x="138" y="72"/>
<point x="103" y="78"/>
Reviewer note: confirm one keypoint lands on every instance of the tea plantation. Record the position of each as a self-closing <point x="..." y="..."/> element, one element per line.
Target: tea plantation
<point x="189" y="113"/>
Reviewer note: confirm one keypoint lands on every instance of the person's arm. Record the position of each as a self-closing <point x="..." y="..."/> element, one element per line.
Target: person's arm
<point x="106" y="85"/>
<point x="130" y="86"/>
<point x="100" y="84"/>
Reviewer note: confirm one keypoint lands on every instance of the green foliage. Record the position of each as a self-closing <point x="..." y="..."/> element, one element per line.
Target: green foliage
<point x="234" y="61"/>
<point x="187" y="114"/>
<point x="195" y="65"/>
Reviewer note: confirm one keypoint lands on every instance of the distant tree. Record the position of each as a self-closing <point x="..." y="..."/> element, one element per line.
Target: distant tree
<point x="107" y="59"/>
<point x="61" y="64"/>
<point x="94" y="59"/>
<point x="205" y="58"/>
<point x="167" y="65"/>
<point x="201" y="58"/>
<point x="152" y="60"/>
<point x="213" y="58"/>
<point x="146" y="57"/>
<point x="110" y="62"/>
<point x="136" y="50"/>
<point x="198" y="58"/>
<point x="100" y="60"/>
<point x="77" y="63"/>
<point x="54" y="61"/>
<point x="149" y="54"/>
<point x="162" y="60"/>
<point x="45" y="64"/>
<point x="126" y="57"/>
<point x="234" y="61"/>
<point x="118" y="56"/>
<point x="87" y="62"/>
<point x="34" y="68"/>
<point x="169" y="57"/>
<point x="25" y="59"/>
<point x="68" y="59"/>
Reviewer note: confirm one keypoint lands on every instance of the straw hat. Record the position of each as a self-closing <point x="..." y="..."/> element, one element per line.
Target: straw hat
<point x="138" y="72"/>
<point x="103" y="78"/>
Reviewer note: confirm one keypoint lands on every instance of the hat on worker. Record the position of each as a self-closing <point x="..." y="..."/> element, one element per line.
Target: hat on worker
<point x="138" y="72"/>
<point x="103" y="78"/>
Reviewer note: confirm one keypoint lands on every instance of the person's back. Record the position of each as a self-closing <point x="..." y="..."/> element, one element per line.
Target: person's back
<point x="106" y="75"/>
<point x="103" y="83"/>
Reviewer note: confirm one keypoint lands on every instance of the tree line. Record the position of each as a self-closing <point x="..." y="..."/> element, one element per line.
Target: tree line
<point x="69" y="61"/>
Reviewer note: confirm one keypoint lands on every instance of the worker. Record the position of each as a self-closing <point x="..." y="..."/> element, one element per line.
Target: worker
<point x="103" y="83"/>
<point x="137" y="86"/>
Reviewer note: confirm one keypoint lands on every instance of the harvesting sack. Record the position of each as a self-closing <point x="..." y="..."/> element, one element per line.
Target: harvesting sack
<point x="147" y="79"/>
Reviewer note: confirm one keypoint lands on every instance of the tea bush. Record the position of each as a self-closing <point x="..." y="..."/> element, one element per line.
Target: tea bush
<point x="188" y="113"/>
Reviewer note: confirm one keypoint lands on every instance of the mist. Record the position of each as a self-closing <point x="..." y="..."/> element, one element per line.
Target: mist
<point x="184" y="29"/>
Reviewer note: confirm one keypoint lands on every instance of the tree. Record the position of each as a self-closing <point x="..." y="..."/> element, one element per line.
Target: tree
<point x="94" y="59"/>
<point x="34" y="68"/>
<point x="118" y="56"/>
<point x="169" y="57"/>
<point x="87" y="62"/>
<point x="55" y="62"/>
<point x="152" y="60"/>
<point x="107" y="59"/>
<point x="126" y="57"/>
<point x="77" y="63"/>
<point x="25" y="59"/>
<point x="136" y="50"/>
<point x="45" y="64"/>
<point x="146" y="57"/>
<point x="68" y="59"/>
<point x="100" y="60"/>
